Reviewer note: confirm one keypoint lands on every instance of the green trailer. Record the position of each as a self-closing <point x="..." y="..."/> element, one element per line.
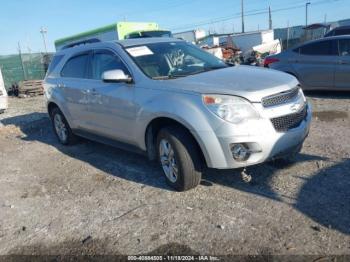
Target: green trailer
<point x="117" y="31"/>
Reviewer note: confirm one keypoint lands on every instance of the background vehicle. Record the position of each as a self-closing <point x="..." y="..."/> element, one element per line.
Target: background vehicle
<point x="192" y="36"/>
<point x="3" y="95"/>
<point x="117" y="31"/>
<point x="341" y="30"/>
<point x="320" y="64"/>
<point x="176" y="103"/>
<point x="154" y="33"/>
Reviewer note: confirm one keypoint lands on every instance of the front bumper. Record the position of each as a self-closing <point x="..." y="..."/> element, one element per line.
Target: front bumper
<point x="261" y="138"/>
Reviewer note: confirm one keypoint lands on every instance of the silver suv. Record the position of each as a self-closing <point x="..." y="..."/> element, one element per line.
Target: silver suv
<point x="177" y="104"/>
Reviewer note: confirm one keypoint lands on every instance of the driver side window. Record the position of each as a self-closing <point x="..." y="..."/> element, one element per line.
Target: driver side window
<point x="104" y="61"/>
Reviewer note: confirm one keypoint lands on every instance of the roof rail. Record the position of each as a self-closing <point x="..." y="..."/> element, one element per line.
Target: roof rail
<point x="83" y="42"/>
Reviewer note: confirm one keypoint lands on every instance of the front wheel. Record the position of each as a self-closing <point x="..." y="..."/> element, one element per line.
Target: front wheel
<point x="179" y="158"/>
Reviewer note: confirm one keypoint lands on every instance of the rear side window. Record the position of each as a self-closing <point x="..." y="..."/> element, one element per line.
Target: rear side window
<point x="55" y="61"/>
<point x="104" y="61"/>
<point x="319" y="48"/>
<point x="76" y="67"/>
<point x="344" y="47"/>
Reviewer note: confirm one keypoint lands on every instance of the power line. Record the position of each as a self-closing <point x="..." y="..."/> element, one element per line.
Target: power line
<point x="250" y="13"/>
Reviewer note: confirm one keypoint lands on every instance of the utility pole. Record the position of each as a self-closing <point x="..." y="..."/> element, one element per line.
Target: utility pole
<point x="270" y="18"/>
<point x="242" y="9"/>
<point x="43" y="32"/>
<point x="306" y="13"/>
<point x="22" y="64"/>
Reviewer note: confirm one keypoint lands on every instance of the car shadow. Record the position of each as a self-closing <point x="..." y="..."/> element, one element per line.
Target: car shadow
<point x="324" y="196"/>
<point x="262" y="176"/>
<point x="113" y="161"/>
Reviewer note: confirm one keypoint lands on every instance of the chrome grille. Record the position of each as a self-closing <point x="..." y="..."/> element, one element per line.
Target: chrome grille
<point x="285" y="123"/>
<point x="280" y="98"/>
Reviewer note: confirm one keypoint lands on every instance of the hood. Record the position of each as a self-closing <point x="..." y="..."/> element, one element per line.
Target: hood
<point x="252" y="83"/>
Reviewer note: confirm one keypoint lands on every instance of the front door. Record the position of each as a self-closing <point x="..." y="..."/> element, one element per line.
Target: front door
<point x="315" y="65"/>
<point x="342" y="72"/>
<point x="111" y="105"/>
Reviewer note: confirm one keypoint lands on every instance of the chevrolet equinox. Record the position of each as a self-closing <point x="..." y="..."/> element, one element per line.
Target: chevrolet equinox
<point x="177" y="104"/>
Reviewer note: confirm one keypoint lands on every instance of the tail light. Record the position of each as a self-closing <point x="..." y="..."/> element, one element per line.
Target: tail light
<point x="270" y="60"/>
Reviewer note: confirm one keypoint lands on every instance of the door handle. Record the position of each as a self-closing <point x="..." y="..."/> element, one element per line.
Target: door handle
<point x="61" y="85"/>
<point x="342" y="62"/>
<point x="90" y="92"/>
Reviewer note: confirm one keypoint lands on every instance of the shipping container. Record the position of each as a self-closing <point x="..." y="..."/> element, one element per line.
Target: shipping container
<point x="117" y="31"/>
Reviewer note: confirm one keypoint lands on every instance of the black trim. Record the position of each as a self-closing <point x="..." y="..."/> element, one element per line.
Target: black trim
<point x="109" y="142"/>
<point x="83" y="42"/>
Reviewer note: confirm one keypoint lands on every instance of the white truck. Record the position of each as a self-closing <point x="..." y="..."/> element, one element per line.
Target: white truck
<point x="116" y="31"/>
<point x="191" y="36"/>
<point x="3" y="95"/>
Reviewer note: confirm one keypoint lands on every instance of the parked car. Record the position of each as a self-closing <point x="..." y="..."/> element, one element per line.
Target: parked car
<point x="341" y="30"/>
<point x="177" y="104"/>
<point x="319" y="64"/>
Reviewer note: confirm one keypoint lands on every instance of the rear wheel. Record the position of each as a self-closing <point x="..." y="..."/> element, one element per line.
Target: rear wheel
<point x="61" y="128"/>
<point x="179" y="158"/>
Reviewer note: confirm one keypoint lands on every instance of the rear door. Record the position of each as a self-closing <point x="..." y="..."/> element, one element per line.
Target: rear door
<point x="73" y="86"/>
<point x="315" y="65"/>
<point x="342" y="73"/>
<point x="111" y="105"/>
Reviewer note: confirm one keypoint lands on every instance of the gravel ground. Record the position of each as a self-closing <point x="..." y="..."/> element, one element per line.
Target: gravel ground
<point x="94" y="199"/>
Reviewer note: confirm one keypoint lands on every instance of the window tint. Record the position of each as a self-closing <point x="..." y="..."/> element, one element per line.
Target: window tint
<point x="319" y="48"/>
<point x="55" y="61"/>
<point x="344" y="47"/>
<point x="105" y="61"/>
<point x="76" y="67"/>
<point x="342" y="32"/>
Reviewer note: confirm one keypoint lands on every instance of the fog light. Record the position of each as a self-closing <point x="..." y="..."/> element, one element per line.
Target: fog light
<point x="240" y="152"/>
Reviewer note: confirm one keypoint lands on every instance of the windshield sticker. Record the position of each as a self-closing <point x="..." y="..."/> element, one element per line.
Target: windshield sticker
<point x="139" y="51"/>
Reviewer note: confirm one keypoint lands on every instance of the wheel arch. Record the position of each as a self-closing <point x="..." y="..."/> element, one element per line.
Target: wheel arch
<point x="51" y="106"/>
<point x="153" y="128"/>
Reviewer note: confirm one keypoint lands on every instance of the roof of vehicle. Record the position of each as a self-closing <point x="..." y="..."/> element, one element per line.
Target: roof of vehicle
<point x="341" y="27"/>
<point x="322" y="39"/>
<point x="146" y="40"/>
<point x="124" y="43"/>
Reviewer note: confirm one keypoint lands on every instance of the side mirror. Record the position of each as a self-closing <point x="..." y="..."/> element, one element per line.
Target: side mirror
<point x="116" y="76"/>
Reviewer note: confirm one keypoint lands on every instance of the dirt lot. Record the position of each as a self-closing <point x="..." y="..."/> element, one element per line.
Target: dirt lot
<point x="93" y="199"/>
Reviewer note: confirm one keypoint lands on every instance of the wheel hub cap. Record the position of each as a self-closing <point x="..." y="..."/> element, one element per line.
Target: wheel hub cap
<point x="168" y="161"/>
<point x="60" y="128"/>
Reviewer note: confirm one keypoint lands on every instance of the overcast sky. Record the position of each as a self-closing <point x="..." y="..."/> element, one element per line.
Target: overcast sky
<point x="20" y="20"/>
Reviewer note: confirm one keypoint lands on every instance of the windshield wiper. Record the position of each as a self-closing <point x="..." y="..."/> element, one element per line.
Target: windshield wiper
<point x="207" y="69"/>
<point x="167" y="77"/>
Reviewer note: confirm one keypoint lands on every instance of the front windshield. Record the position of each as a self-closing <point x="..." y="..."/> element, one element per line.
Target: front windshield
<point x="169" y="60"/>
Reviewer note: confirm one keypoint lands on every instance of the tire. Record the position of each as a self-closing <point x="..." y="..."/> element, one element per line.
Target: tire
<point x="186" y="157"/>
<point x="59" y="122"/>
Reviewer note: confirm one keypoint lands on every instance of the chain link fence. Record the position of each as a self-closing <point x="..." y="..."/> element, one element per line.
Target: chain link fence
<point x="16" y="68"/>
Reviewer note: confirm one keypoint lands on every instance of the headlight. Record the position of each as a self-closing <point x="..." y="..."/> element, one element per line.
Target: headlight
<point x="301" y="94"/>
<point x="230" y="108"/>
